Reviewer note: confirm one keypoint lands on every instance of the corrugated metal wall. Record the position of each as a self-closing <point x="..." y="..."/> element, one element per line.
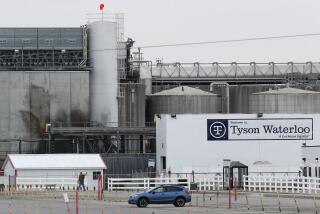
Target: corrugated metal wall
<point x="129" y="165"/>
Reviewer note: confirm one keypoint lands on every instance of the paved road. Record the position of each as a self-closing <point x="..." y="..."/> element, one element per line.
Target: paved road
<point x="200" y="204"/>
<point x="90" y="207"/>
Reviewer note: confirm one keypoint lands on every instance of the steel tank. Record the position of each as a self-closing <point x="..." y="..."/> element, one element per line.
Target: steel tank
<point x="104" y="76"/>
<point x="132" y="103"/>
<point x="183" y="100"/>
<point x="285" y="100"/>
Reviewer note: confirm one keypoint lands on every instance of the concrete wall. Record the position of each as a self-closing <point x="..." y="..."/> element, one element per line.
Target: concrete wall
<point x="28" y="100"/>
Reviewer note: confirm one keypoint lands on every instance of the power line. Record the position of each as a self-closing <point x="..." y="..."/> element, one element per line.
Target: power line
<point x="203" y="42"/>
<point x="231" y="40"/>
<point x="215" y="42"/>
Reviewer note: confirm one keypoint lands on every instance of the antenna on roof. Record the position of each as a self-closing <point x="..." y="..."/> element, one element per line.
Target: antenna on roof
<point x="101" y="9"/>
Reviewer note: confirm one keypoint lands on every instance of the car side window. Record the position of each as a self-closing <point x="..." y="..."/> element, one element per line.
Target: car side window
<point x="173" y="189"/>
<point x="160" y="189"/>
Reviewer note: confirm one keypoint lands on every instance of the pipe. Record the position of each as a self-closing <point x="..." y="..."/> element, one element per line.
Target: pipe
<point x="226" y="85"/>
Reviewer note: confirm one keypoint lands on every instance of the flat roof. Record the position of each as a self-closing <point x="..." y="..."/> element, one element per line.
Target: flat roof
<point x="55" y="161"/>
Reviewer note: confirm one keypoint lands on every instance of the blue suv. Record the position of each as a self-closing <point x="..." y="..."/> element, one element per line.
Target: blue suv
<point x="165" y="194"/>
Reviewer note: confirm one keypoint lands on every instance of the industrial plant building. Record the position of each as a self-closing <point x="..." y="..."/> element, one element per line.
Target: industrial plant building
<point x="85" y="90"/>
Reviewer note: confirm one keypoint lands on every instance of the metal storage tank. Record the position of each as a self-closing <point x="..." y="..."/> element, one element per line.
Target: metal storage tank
<point x="104" y="76"/>
<point x="132" y="104"/>
<point x="183" y="100"/>
<point x="285" y="100"/>
<point x="240" y="94"/>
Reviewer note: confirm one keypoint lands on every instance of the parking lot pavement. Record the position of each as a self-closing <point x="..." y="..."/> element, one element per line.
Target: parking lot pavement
<point x="257" y="203"/>
<point x="18" y="206"/>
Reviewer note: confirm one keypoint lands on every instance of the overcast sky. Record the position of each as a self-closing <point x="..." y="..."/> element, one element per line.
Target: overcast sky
<point x="151" y="22"/>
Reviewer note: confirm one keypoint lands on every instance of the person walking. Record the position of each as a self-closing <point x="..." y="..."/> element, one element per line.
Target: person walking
<point x="81" y="181"/>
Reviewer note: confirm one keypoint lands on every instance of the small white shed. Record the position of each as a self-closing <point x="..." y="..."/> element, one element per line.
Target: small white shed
<point x="57" y="170"/>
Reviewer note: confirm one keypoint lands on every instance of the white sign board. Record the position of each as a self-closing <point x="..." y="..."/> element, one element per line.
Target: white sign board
<point x="151" y="163"/>
<point x="260" y="129"/>
<point x="65" y="197"/>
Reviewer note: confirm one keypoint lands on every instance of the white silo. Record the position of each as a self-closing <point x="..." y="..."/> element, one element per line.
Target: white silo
<point x="104" y="76"/>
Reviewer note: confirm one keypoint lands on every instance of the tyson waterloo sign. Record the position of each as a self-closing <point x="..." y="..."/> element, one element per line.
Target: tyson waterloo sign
<point x="260" y="129"/>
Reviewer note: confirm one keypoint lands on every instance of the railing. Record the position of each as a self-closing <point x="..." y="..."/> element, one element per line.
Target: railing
<point x="115" y="184"/>
<point x="233" y="70"/>
<point x="210" y="183"/>
<point x="97" y="124"/>
<point x="307" y="185"/>
<point x="42" y="182"/>
<point x="204" y="181"/>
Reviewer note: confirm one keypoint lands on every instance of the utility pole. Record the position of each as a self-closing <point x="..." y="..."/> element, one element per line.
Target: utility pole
<point x="20" y="142"/>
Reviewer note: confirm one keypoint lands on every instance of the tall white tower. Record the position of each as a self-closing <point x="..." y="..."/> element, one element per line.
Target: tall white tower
<point x="104" y="76"/>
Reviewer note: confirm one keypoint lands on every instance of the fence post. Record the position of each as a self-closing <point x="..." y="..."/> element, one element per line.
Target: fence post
<point x="203" y="199"/>
<point x="77" y="202"/>
<point x="295" y="201"/>
<point x="315" y="204"/>
<point x="217" y="198"/>
<point x="279" y="205"/>
<point x="235" y="188"/>
<point x="229" y="190"/>
<point x="261" y="202"/>
<point x="10" y="208"/>
<point x="247" y="201"/>
<point x="111" y="184"/>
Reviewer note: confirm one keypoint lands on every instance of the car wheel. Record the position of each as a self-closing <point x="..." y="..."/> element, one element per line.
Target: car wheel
<point x="143" y="202"/>
<point x="180" y="202"/>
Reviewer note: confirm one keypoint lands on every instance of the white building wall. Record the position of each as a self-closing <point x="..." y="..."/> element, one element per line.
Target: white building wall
<point x="9" y="170"/>
<point x="161" y="132"/>
<point x="61" y="173"/>
<point x="186" y="144"/>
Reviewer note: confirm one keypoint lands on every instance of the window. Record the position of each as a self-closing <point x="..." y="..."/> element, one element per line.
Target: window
<point x="160" y="189"/>
<point x="304" y="173"/>
<point x="3" y="41"/>
<point x="309" y="168"/>
<point x="173" y="189"/>
<point x="96" y="175"/>
<point x="26" y="41"/>
<point x="71" y="41"/>
<point x="164" y="162"/>
<point x="122" y="91"/>
<point x="48" y="41"/>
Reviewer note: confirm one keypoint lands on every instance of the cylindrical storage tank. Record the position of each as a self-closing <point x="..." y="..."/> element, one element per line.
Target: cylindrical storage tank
<point x="103" y="78"/>
<point x="146" y="78"/>
<point x="285" y="100"/>
<point x="132" y="105"/>
<point x="183" y="100"/>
